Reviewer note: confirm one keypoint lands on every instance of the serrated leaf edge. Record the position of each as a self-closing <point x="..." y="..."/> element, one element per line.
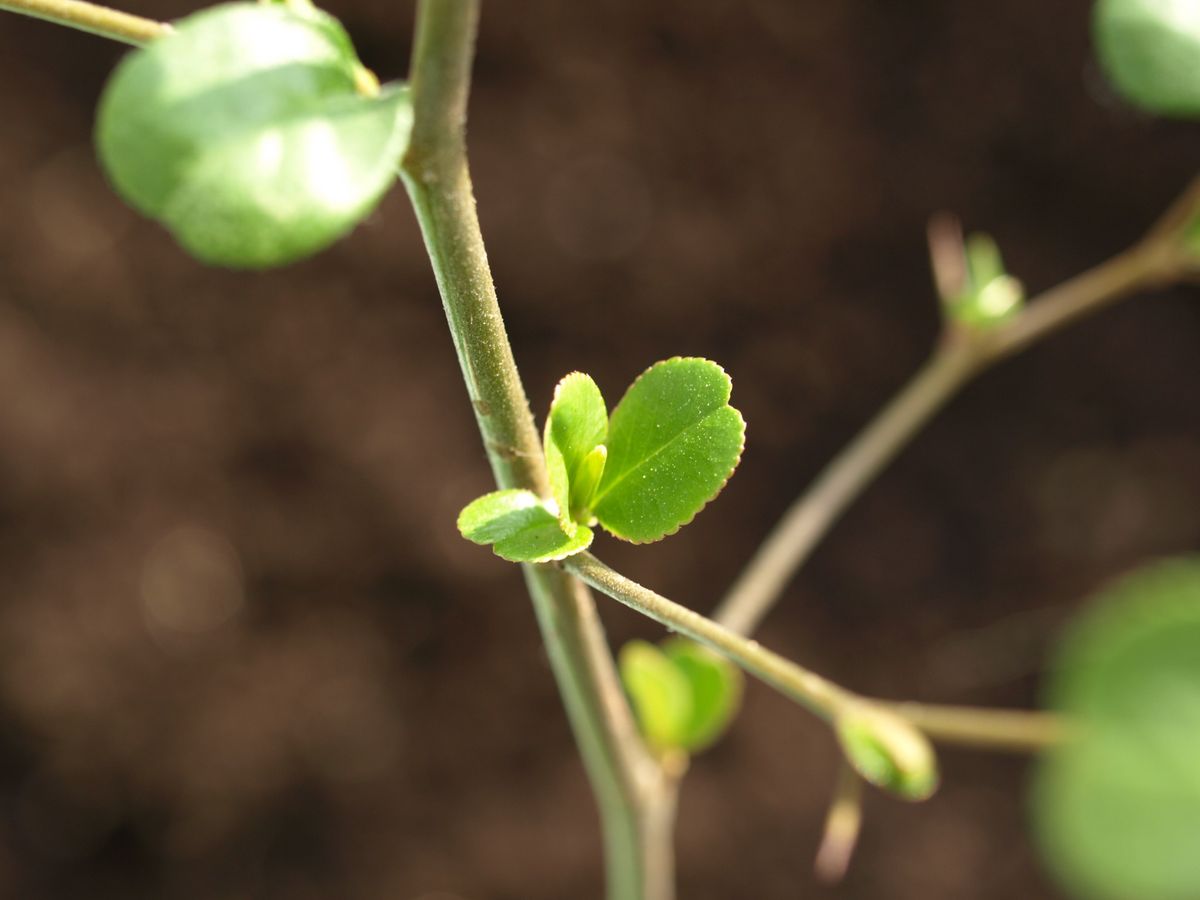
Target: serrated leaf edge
<point x="736" y="462"/>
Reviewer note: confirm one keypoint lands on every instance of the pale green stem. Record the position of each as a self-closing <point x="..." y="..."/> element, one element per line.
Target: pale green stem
<point x="636" y="811"/>
<point x="810" y="518"/>
<point x="89" y="17"/>
<point x="1019" y="731"/>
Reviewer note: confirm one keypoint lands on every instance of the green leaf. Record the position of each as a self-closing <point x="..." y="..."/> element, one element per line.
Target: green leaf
<point x="1117" y="809"/>
<point x="888" y="752"/>
<point x="577" y="424"/>
<point x="660" y="693"/>
<point x="1150" y="50"/>
<point x="587" y="479"/>
<point x="246" y="134"/>
<point x="716" y="691"/>
<point x="991" y="296"/>
<point x="673" y="441"/>
<point x="520" y="528"/>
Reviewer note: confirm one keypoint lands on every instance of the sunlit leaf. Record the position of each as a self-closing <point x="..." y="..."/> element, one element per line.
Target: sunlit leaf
<point x="673" y="441"/>
<point x="1117" y="809"/>
<point x="1150" y="49"/>
<point x="247" y="133"/>
<point x="520" y="528"/>
<point x="577" y="424"/>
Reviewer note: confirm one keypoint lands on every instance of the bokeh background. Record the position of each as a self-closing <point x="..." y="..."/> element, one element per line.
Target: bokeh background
<point x="244" y="653"/>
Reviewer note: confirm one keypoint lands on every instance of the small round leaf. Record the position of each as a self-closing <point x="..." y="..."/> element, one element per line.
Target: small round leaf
<point x="520" y="528"/>
<point x="673" y="442"/>
<point x="1117" y="809"/>
<point x="660" y="693"/>
<point x="888" y="752"/>
<point x="245" y="133"/>
<point x="716" y="691"/>
<point x="1150" y="49"/>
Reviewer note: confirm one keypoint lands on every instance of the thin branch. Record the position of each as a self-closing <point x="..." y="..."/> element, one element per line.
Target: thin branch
<point x="99" y="20"/>
<point x="1018" y="731"/>
<point x="818" y="694"/>
<point x="958" y="358"/>
<point x="635" y="812"/>
<point x="1000" y="729"/>
<point x="808" y="520"/>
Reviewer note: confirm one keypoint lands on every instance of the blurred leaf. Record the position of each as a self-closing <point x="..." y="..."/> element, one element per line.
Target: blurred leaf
<point x="660" y="693"/>
<point x="245" y="133"/>
<point x="520" y="528"/>
<point x="577" y="424"/>
<point x="1117" y="810"/>
<point x="888" y="752"/>
<point x="1150" y="50"/>
<point x="715" y="685"/>
<point x="991" y="296"/>
<point x="673" y="442"/>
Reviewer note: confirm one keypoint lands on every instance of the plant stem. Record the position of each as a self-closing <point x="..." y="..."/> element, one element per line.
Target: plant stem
<point x="960" y="355"/>
<point x="810" y="518"/>
<point x="1002" y="729"/>
<point x="636" y="814"/>
<point x="819" y="695"/>
<point x="1018" y="731"/>
<point x="89" y="17"/>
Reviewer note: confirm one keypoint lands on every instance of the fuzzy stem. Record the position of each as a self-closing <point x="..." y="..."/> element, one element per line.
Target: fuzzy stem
<point x="636" y="815"/>
<point x="968" y="726"/>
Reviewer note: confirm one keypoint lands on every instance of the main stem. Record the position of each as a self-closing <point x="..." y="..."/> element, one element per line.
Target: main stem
<point x="636" y="810"/>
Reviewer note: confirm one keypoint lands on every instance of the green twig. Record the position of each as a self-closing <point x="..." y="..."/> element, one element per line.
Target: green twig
<point x="89" y="17"/>
<point x="818" y="694"/>
<point x="636" y="808"/>
<point x="1002" y="729"/>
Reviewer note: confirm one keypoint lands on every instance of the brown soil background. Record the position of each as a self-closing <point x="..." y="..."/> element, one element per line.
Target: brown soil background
<point x="244" y="654"/>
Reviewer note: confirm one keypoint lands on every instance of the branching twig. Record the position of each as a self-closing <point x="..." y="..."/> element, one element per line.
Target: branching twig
<point x="960" y="355"/>
<point x="1003" y="729"/>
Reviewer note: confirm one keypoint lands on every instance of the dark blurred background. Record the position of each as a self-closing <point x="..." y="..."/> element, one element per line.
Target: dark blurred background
<point x="243" y="651"/>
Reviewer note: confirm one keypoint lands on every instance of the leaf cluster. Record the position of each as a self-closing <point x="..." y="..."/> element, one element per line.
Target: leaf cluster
<point x="643" y="473"/>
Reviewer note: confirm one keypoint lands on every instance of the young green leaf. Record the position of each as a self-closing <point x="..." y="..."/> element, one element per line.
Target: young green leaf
<point x="1150" y="49"/>
<point x="991" y="296"/>
<point x="577" y="424"/>
<point x="587" y="479"/>
<point x="888" y="752"/>
<point x="1117" y="809"/>
<point x="660" y="693"/>
<point x="246" y="132"/>
<point x="716" y="691"/>
<point x="673" y="441"/>
<point x="520" y="528"/>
